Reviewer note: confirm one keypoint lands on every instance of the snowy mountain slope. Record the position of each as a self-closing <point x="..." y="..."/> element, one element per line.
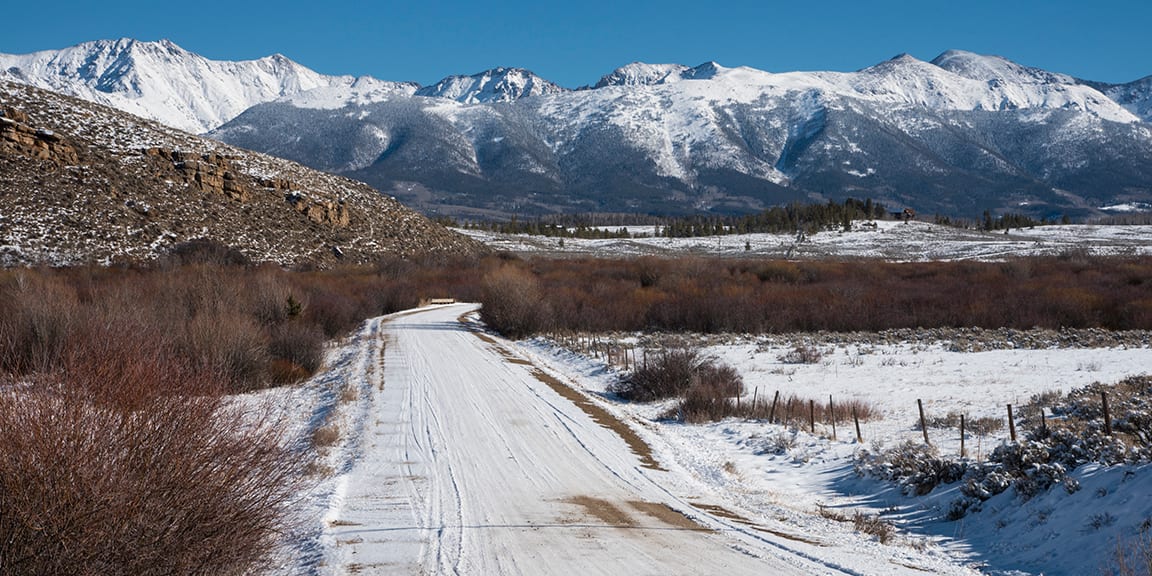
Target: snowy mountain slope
<point x="1023" y="87"/>
<point x="1136" y="97"/>
<point x="669" y="138"/>
<point x="163" y="82"/>
<point x="495" y="85"/>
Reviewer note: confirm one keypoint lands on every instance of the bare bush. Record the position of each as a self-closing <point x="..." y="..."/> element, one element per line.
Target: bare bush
<point x="233" y="346"/>
<point x="513" y="303"/>
<point x="1133" y="555"/>
<point x="174" y="485"/>
<point x="874" y="525"/>
<point x="711" y="395"/>
<point x="663" y="375"/>
<point x="36" y="315"/>
<point x="326" y="436"/>
<point x="871" y="524"/>
<point x="802" y="355"/>
<point x="298" y="343"/>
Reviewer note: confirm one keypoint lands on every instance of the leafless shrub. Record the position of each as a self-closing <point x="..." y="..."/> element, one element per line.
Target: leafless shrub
<point x="874" y="525"/>
<point x="36" y="315"/>
<point x="171" y="484"/>
<point x="513" y="303"/>
<point x="833" y="514"/>
<point x="299" y="343"/>
<point x="234" y="347"/>
<point x="780" y="442"/>
<point x="349" y="393"/>
<point x="798" y="412"/>
<point x="663" y="375"/>
<point x="711" y="395"/>
<point x="982" y="426"/>
<point x="802" y="355"/>
<point x="326" y="436"/>
<point x="870" y="524"/>
<point x="1133" y="555"/>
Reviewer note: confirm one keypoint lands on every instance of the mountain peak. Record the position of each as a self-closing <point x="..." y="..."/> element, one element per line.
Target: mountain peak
<point x="642" y="74"/>
<point x="162" y="81"/>
<point x="494" y="85"/>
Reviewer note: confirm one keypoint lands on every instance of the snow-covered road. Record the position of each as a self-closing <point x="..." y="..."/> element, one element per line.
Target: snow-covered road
<point x="470" y="462"/>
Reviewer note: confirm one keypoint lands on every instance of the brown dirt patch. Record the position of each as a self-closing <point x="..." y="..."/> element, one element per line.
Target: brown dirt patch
<point x="603" y="511"/>
<point x="667" y="515"/>
<point x="603" y="418"/>
<point x="725" y="513"/>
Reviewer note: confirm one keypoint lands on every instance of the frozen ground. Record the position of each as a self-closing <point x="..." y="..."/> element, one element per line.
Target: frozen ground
<point x="464" y="453"/>
<point x="911" y="241"/>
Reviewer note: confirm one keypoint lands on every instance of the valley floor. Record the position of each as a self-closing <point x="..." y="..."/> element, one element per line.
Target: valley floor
<point x="886" y="239"/>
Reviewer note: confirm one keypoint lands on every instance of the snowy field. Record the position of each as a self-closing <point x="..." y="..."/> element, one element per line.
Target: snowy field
<point x="770" y="470"/>
<point x="890" y="240"/>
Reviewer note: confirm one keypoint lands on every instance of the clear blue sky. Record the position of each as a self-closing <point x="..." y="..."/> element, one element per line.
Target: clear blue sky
<point x="575" y="42"/>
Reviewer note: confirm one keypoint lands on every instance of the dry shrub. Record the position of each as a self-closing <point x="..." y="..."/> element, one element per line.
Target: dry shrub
<point x="1133" y="556"/>
<point x="798" y="412"/>
<point x="663" y="375"/>
<point x="982" y="426"/>
<point x="802" y="355"/>
<point x="723" y="295"/>
<point x="36" y="316"/>
<point x="234" y="347"/>
<point x="298" y="343"/>
<point x="513" y="303"/>
<point x="326" y="436"/>
<point x="711" y="396"/>
<point x="286" y="372"/>
<point x="171" y="484"/>
<point x="870" y="524"/>
<point x="873" y="525"/>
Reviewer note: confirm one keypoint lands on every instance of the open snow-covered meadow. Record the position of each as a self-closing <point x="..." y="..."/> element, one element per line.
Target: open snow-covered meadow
<point x="886" y="239"/>
<point x="770" y="470"/>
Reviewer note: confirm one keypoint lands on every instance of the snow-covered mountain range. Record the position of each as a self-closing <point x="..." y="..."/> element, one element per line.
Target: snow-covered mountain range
<point x="959" y="134"/>
<point x="161" y="81"/>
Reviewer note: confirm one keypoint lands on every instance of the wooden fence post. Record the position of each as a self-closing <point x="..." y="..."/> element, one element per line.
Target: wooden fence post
<point x="1107" y="414"/>
<point x="772" y="413"/>
<point x="963" y="452"/>
<point x="1011" y="424"/>
<point x="856" y="419"/>
<point x="923" y="423"/>
<point x="812" y="416"/>
<point x="832" y="416"/>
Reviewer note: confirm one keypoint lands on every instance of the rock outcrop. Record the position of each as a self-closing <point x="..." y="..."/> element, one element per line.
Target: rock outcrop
<point x="17" y="136"/>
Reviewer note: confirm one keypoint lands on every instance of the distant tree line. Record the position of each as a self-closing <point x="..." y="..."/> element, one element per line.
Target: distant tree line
<point x="1007" y="221"/>
<point x="790" y="218"/>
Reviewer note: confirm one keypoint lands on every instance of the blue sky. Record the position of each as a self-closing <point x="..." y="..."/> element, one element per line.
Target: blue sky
<point x="575" y="42"/>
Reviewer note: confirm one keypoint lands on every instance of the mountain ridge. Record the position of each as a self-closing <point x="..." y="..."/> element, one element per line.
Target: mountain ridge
<point x="963" y="132"/>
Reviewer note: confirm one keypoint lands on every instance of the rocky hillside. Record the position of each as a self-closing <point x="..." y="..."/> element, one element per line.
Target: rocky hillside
<point x="80" y="182"/>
